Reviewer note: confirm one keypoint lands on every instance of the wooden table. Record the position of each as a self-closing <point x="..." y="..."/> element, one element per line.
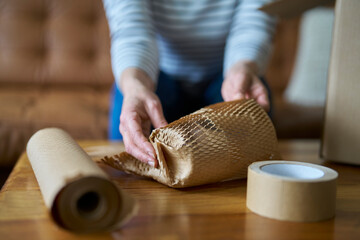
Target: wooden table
<point x="216" y="211"/>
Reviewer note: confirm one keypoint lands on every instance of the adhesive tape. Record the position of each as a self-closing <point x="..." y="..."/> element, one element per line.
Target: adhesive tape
<point x="292" y="191"/>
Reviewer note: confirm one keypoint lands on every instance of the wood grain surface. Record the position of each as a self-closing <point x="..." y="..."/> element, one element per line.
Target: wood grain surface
<point x="216" y="211"/>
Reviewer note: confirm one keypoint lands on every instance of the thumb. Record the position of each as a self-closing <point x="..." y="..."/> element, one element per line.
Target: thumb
<point x="239" y="88"/>
<point x="155" y="113"/>
<point x="236" y="96"/>
<point x="243" y="84"/>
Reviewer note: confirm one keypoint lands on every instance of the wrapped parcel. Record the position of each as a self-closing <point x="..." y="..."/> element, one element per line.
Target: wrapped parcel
<point x="215" y="143"/>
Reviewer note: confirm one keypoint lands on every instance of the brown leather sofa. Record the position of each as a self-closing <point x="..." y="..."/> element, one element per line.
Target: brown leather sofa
<point x="55" y="71"/>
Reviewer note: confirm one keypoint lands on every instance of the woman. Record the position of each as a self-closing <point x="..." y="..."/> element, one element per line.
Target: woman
<point x="171" y="57"/>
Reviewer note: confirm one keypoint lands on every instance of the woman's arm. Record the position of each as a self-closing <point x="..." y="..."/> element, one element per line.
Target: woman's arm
<point x="134" y="56"/>
<point x="247" y="51"/>
<point x="133" y="37"/>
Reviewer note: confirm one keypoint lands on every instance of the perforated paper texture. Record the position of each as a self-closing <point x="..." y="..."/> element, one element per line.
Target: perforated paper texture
<point x="213" y="144"/>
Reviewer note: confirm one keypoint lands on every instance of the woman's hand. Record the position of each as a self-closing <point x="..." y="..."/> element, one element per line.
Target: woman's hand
<point x="241" y="82"/>
<point x="140" y="108"/>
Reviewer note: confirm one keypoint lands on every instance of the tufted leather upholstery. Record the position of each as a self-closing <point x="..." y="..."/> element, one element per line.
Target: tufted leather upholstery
<point x="54" y="70"/>
<point x="54" y="42"/>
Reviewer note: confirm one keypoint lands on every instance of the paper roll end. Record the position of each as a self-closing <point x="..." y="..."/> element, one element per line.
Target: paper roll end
<point x="90" y="204"/>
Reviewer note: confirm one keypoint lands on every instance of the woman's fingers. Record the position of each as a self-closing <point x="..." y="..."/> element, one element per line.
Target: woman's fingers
<point x="135" y="121"/>
<point x="135" y="142"/>
<point x="260" y="94"/>
<point x="135" y="118"/>
<point x="236" y="86"/>
<point x="264" y="102"/>
<point x="245" y="85"/>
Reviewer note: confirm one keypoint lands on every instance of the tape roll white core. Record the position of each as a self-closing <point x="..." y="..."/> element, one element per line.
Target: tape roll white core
<point x="294" y="171"/>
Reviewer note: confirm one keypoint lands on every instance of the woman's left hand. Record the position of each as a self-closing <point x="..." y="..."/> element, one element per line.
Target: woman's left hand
<point x="241" y="81"/>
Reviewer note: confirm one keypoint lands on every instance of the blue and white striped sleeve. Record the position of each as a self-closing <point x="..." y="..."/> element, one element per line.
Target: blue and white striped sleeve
<point x="133" y="37"/>
<point x="250" y="36"/>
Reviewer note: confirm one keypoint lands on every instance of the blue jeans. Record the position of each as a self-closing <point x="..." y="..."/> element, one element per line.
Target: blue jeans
<point x="177" y="98"/>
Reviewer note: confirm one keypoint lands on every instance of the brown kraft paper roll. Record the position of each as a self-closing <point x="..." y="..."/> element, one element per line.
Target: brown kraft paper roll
<point x="77" y="192"/>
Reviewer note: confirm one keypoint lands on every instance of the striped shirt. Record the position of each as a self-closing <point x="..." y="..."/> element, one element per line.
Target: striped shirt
<point x="187" y="39"/>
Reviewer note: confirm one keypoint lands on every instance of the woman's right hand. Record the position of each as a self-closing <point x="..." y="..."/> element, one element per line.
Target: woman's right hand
<point x="141" y="108"/>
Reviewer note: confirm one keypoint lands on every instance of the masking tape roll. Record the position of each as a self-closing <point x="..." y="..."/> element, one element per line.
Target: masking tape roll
<point x="292" y="191"/>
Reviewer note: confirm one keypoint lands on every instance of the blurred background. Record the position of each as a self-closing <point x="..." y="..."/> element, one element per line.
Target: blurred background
<point x="55" y="71"/>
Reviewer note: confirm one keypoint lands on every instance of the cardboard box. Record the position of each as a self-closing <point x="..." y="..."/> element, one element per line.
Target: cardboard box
<point x="341" y="136"/>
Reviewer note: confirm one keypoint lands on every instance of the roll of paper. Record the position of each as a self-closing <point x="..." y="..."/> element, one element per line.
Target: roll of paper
<point x="77" y="192"/>
<point x="292" y="191"/>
